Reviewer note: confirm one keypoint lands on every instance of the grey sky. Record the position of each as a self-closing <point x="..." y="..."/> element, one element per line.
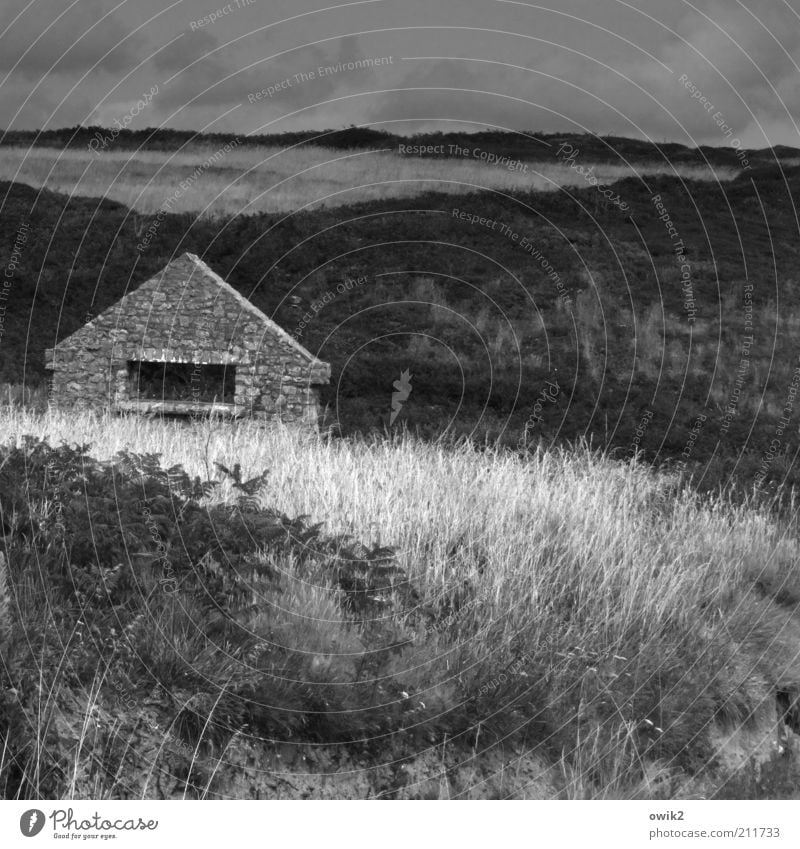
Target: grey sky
<point x="604" y="66"/>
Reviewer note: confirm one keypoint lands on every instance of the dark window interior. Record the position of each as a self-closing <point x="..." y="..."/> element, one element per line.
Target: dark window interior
<point x="194" y="382"/>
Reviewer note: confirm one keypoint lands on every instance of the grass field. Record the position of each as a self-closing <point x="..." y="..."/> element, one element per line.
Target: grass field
<point x="251" y="180"/>
<point x="592" y="611"/>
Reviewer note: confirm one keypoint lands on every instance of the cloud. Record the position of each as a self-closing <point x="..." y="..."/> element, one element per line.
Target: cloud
<point x="188" y="48"/>
<point x="42" y="112"/>
<point x="217" y="76"/>
<point x="739" y="58"/>
<point x="712" y="44"/>
<point x="40" y="42"/>
<point x="635" y="95"/>
<point x="459" y="93"/>
<point x="209" y="71"/>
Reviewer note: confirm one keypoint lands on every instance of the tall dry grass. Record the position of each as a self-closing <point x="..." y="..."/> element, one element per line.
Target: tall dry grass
<point x="629" y="543"/>
<point x="266" y="179"/>
<point x="577" y="570"/>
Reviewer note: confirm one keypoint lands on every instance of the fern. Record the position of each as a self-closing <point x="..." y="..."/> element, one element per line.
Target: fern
<point x="127" y="566"/>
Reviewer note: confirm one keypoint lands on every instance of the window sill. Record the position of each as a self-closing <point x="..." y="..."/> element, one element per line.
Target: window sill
<point x="186" y="408"/>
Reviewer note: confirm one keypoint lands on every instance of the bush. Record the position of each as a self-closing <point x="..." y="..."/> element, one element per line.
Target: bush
<point x="125" y="577"/>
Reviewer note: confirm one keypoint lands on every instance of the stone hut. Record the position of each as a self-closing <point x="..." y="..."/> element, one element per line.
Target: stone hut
<point x="186" y="342"/>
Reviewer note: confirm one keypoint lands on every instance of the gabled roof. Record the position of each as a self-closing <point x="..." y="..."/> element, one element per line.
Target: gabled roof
<point x="268" y="323"/>
<point x="189" y="266"/>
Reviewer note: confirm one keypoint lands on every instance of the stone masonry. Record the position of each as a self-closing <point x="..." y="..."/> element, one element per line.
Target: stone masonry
<point x="188" y="314"/>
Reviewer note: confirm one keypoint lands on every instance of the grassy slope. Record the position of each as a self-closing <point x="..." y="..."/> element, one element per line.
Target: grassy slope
<point x="586" y="610"/>
<point x="251" y="180"/>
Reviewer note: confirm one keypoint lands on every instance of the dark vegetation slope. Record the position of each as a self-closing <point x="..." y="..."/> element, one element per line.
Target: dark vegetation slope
<point x="525" y="145"/>
<point x="480" y="322"/>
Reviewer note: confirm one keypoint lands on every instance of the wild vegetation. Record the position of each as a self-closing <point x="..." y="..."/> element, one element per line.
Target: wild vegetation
<point x="226" y="591"/>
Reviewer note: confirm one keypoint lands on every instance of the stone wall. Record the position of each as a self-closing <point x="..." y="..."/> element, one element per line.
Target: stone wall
<point x="188" y="314"/>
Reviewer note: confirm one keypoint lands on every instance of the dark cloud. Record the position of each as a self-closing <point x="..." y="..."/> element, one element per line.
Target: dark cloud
<point x="735" y="56"/>
<point x="738" y="53"/>
<point x="75" y="42"/>
<point x="47" y="110"/>
<point x="742" y="58"/>
<point x="471" y="94"/>
<point x="189" y="48"/>
<point x="207" y="72"/>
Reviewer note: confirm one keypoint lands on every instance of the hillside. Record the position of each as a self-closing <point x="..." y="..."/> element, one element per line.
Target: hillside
<point x="528" y="145"/>
<point x="588" y="296"/>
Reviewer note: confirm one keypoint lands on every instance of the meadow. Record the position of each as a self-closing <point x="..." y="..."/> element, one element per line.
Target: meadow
<point x="251" y="179"/>
<point x="385" y="600"/>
